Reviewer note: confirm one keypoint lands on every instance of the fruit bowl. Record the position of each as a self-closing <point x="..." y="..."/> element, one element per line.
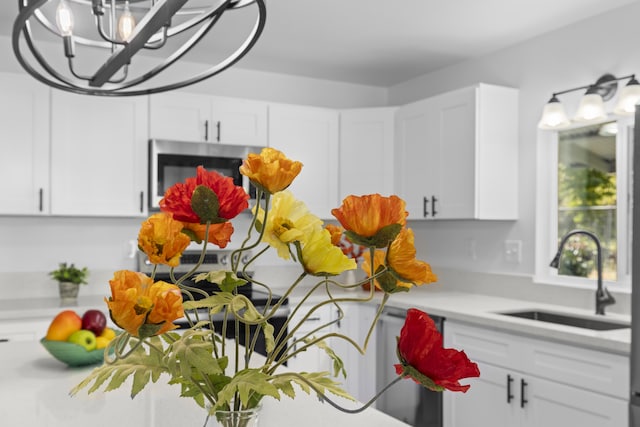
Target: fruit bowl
<point x="72" y="354"/>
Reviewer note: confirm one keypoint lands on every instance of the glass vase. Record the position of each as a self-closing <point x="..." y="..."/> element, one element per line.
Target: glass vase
<point x="239" y="418"/>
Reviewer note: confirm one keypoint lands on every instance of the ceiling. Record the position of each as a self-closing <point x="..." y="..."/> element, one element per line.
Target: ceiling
<point x="383" y="43"/>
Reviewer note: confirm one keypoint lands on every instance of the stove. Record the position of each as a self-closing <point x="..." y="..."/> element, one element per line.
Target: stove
<point x="220" y="259"/>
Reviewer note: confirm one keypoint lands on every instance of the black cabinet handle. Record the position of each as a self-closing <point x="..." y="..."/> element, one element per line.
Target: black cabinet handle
<point x="218" y="130"/>
<point x="523" y="386"/>
<point x="141" y="201"/>
<point x="433" y="206"/>
<point x="510" y="396"/>
<point x="425" y="207"/>
<point x="40" y="199"/>
<point x="206" y="130"/>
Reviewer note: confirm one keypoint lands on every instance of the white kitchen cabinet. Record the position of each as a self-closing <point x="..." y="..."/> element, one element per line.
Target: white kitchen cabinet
<point x="531" y="382"/>
<point x="313" y="359"/>
<point x="457" y="156"/>
<point x="309" y="135"/>
<point x="186" y="116"/>
<point x="355" y="323"/>
<point x="24" y="164"/>
<point x="98" y="155"/>
<point x="366" y="151"/>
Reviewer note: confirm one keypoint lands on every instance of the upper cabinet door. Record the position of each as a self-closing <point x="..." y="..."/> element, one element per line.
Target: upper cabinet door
<point x="366" y="151"/>
<point x="180" y="116"/>
<point x="184" y="116"/>
<point x="98" y="155"/>
<point x="239" y="122"/>
<point x="457" y="154"/>
<point x="309" y="135"/>
<point x="24" y="164"/>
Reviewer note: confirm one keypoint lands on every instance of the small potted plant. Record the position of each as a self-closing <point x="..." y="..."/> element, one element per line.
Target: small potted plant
<point x="69" y="279"/>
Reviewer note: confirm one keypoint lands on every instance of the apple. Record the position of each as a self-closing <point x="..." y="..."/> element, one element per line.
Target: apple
<point x="84" y="338"/>
<point x="63" y="325"/>
<point x="94" y="321"/>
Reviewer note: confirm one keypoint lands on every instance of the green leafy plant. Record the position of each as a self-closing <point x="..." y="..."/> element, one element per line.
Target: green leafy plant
<point x="69" y="273"/>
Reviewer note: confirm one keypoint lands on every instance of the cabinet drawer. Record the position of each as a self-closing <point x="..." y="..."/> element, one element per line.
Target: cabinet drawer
<point x="594" y="370"/>
<point x="319" y="317"/>
<point x="483" y="345"/>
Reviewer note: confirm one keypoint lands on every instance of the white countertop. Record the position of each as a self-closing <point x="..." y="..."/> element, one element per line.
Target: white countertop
<point x="35" y="389"/>
<point x="482" y="310"/>
<point x="466" y="307"/>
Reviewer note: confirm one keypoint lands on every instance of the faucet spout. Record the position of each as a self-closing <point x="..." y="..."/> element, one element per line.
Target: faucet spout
<point x="603" y="297"/>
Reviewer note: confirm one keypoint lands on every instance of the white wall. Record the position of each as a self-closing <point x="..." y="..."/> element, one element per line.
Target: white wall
<point x="574" y="56"/>
<point x="567" y="58"/>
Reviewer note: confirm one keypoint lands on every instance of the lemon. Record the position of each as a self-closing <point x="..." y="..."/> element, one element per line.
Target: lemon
<point x="108" y="333"/>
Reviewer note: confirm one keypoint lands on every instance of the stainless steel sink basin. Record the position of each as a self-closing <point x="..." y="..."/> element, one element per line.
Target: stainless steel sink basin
<point x="570" y="320"/>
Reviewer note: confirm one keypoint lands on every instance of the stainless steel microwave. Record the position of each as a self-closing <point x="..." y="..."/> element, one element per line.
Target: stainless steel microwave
<point x="171" y="162"/>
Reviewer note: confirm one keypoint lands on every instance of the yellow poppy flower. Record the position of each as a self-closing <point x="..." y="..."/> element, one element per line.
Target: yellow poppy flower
<point x="161" y="238"/>
<point x="142" y="307"/>
<point x="289" y="221"/>
<point x="270" y="170"/>
<point x="404" y="269"/>
<point x="372" y="220"/>
<point x="320" y="257"/>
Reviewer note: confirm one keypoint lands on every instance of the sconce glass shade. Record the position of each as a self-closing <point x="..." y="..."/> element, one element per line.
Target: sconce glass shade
<point x="629" y="97"/>
<point x="553" y="115"/>
<point x="591" y="108"/>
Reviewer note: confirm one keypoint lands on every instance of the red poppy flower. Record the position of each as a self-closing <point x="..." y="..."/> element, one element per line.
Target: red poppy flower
<point x="232" y="199"/>
<point x="424" y="359"/>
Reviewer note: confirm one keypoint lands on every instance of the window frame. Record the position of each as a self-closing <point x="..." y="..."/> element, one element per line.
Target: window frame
<point x="547" y="207"/>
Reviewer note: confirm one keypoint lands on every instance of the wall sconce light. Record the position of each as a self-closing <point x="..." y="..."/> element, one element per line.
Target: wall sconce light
<point x="591" y="106"/>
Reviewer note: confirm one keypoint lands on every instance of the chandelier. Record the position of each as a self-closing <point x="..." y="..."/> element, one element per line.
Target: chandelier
<point x="165" y="29"/>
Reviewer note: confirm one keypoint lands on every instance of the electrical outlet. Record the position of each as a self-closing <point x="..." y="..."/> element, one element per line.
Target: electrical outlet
<point x="513" y="251"/>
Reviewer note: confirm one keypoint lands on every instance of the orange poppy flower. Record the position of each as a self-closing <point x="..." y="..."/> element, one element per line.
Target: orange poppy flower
<point x="404" y="270"/>
<point x="230" y="198"/>
<point x="336" y="233"/>
<point x="161" y="238"/>
<point x="270" y="170"/>
<point x="140" y="306"/>
<point x="219" y="234"/>
<point x="372" y="220"/>
<point x="424" y="359"/>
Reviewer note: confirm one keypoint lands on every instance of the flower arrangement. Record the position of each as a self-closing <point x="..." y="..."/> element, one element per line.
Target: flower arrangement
<point x="197" y="359"/>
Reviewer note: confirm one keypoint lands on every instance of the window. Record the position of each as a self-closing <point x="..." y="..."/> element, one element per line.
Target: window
<point x="583" y="183"/>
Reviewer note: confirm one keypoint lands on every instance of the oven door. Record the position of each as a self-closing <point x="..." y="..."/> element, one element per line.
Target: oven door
<point x="171" y="162"/>
<point x="278" y="321"/>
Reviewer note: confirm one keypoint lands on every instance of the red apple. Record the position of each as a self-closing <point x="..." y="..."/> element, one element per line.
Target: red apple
<point x="94" y="321"/>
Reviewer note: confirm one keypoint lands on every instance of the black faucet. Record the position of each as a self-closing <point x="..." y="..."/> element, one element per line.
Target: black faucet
<point x="603" y="297"/>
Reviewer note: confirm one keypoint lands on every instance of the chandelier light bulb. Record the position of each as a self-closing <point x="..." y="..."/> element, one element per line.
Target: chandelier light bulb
<point x="126" y="23"/>
<point x="64" y="18"/>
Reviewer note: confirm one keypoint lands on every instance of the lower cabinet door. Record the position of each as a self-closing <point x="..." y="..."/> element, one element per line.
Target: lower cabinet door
<point x="551" y="404"/>
<point x="492" y="400"/>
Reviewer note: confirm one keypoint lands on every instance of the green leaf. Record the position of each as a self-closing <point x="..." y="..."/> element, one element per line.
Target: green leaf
<point x="193" y="352"/>
<point x="247" y="383"/>
<point x="320" y="382"/>
<point x="338" y="364"/>
<point x="215" y="303"/>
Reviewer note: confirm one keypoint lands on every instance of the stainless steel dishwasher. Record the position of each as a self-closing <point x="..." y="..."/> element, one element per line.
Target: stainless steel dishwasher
<point x="406" y="400"/>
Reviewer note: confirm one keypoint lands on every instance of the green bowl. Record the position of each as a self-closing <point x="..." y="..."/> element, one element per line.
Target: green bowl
<point x="73" y="354"/>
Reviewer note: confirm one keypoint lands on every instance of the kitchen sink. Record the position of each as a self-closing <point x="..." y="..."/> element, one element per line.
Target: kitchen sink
<point x="569" y="320"/>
